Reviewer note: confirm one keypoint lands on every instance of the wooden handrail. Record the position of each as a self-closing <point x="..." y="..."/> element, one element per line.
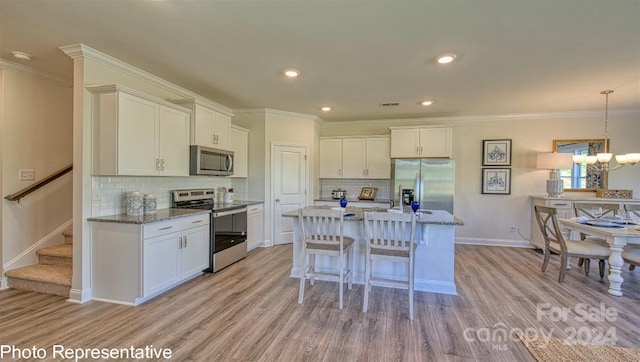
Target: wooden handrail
<point x="33" y="187"/>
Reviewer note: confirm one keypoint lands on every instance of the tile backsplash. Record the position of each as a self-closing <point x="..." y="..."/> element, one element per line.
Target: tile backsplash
<point x="354" y="187"/>
<point x="107" y="191"/>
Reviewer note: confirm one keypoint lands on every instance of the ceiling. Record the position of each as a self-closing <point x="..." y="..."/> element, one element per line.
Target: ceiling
<point x="513" y="57"/>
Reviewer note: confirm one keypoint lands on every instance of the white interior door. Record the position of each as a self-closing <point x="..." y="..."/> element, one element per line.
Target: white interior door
<point x="289" y="188"/>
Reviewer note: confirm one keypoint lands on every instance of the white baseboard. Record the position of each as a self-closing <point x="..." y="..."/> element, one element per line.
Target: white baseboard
<point x="3" y="283"/>
<point x="434" y="286"/>
<point x="80" y="296"/>
<point x="495" y="242"/>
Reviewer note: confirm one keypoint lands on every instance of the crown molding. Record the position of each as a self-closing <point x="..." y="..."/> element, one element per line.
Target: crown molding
<point x="78" y="51"/>
<point x="487" y="118"/>
<point x="6" y="64"/>
<point x="276" y="112"/>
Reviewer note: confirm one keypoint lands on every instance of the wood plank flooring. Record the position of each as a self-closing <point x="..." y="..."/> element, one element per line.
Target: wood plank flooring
<point x="249" y="312"/>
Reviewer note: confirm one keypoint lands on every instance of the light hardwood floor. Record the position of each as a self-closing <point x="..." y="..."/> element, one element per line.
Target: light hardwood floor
<point x="249" y="312"/>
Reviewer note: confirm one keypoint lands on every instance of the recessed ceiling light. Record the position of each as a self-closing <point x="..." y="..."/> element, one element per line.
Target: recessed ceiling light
<point x="427" y="102"/>
<point x="21" y="55"/>
<point x="292" y="73"/>
<point x="326" y="108"/>
<point x="446" y="58"/>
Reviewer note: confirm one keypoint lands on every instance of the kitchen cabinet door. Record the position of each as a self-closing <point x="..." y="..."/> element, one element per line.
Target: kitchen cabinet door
<point x="354" y="158"/>
<point x="137" y="142"/>
<point x="330" y="158"/>
<point x="203" y="133"/>
<point x="255" y="226"/>
<point x="221" y="130"/>
<point x="378" y="162"/>
<point x="161" y="263"/>
<point x="195" y="251"/>
<point x="405" y="143"/>
<point x="435" y="142"/>
<point x="239" y="138"/>
<point x="173" y="134"/>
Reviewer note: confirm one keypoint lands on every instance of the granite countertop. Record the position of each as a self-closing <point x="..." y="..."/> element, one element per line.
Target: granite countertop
<point x="352" y="213"/>
<point x="352" y="200"/>
<point x="160" y="215"/>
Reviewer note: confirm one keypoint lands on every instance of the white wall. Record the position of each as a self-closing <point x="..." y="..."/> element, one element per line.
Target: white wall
<point x="488" y="217"/>
<point x="36" y="123"/>
<point x="268" y="127"/>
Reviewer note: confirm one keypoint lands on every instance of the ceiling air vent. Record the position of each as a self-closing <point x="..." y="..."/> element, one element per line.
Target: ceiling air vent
<point x="389" y="104"/>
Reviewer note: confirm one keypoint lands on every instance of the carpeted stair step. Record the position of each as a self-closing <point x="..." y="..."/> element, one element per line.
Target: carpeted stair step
<point x="56" y="255"/>
<point x="49" y="279"/>
<point x="68" y="235"/>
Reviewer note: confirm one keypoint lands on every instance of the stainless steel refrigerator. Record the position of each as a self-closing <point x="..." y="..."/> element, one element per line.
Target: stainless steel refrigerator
<point x="427" y="180"/>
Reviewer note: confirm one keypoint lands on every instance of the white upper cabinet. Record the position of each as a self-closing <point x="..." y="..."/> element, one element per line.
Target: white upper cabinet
<point x="331" y="158"/>
<point x="421" y="142"/>
<point x="209" y="127"/>
<point x="239" y="138"/>
<point x="138" y="135"/>
<point x="378" y="160"/>
<point x="355" y="158"/>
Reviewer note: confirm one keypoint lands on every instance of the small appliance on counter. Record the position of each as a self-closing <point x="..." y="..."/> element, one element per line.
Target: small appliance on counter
<point x="338" y="194"/>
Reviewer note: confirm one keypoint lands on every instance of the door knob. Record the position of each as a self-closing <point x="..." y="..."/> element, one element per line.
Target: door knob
<point x="277" y="200"/>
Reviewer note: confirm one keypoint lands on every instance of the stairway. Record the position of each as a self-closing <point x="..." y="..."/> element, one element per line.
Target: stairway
<point x="52" y="274"/>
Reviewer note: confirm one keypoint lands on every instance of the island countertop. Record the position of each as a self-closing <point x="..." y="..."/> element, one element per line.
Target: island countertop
<point x="353" y="213"/>
<point x="160" y="215"/>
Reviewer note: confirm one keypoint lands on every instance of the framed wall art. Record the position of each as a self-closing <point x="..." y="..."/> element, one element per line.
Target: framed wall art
<point x="496" y="181"/>
<point x="496" y="153"/>
<point x="368" y="193"/>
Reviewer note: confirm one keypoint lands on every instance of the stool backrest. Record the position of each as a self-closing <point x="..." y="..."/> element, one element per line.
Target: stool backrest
<point x="322" y="226"/>
<point x="391" y="231"/>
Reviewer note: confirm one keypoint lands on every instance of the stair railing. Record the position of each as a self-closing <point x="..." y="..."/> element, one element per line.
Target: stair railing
<point x="33" y="187"/>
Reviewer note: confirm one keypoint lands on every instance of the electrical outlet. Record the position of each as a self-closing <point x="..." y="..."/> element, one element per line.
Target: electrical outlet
<point x="26" y="175"/>
<point x="513" y="228"/>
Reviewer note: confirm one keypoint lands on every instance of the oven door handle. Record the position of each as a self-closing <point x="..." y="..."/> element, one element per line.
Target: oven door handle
<point x="229" y="212"/>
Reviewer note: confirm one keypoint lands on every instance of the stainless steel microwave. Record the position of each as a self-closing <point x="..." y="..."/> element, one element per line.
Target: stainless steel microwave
<point x="210" y="161"/>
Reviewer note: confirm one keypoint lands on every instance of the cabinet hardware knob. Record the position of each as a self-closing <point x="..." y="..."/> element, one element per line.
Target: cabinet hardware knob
<point x="166" y="228"/>
<point x="180" y="242"/>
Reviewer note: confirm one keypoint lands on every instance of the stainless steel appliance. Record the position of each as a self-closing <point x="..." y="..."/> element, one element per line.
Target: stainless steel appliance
<point x="338" y="194"/>
<point x="228" y="234"/>
<point x="429" y="181"/>
<point x="210" y="161"/>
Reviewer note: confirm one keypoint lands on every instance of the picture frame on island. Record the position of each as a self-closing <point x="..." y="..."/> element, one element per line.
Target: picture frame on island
<point x="368" y="193"/>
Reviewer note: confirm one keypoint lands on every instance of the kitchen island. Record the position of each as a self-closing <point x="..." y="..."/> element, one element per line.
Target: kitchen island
<point x="435" y="253"/>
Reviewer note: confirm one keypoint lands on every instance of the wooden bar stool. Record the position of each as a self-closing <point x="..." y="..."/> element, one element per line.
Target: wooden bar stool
<point x="389" y="237"/>
<point x="323" y="234"/>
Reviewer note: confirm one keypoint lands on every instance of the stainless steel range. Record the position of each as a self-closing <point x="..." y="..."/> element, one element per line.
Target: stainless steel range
<point x="228" y="234"/>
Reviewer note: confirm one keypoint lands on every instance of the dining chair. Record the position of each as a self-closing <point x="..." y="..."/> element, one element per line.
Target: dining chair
<point x="390" y="237"/>
<point x="323" y="234"/>
<point x="587" y="209"/>
<point x="631" y="256"/>
<point x="554" y="241"/>
<point x="633" y="208"/>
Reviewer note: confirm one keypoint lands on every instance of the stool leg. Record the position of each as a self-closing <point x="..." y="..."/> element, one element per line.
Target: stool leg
<point x="367" y="272"/>
<point x="302" y="279"/>
<point x="341" y="265"/>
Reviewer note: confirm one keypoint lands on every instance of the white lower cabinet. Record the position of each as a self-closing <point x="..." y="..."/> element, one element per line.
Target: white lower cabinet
<point x="134" y="262"/>
<point x="255" y="226"/>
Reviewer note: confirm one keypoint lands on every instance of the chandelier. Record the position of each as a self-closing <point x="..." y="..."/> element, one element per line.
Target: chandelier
<point x="600" y="161"/>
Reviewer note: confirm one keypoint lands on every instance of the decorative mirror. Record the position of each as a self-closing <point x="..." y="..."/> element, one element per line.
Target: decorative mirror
<point x="581" y="177"/>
